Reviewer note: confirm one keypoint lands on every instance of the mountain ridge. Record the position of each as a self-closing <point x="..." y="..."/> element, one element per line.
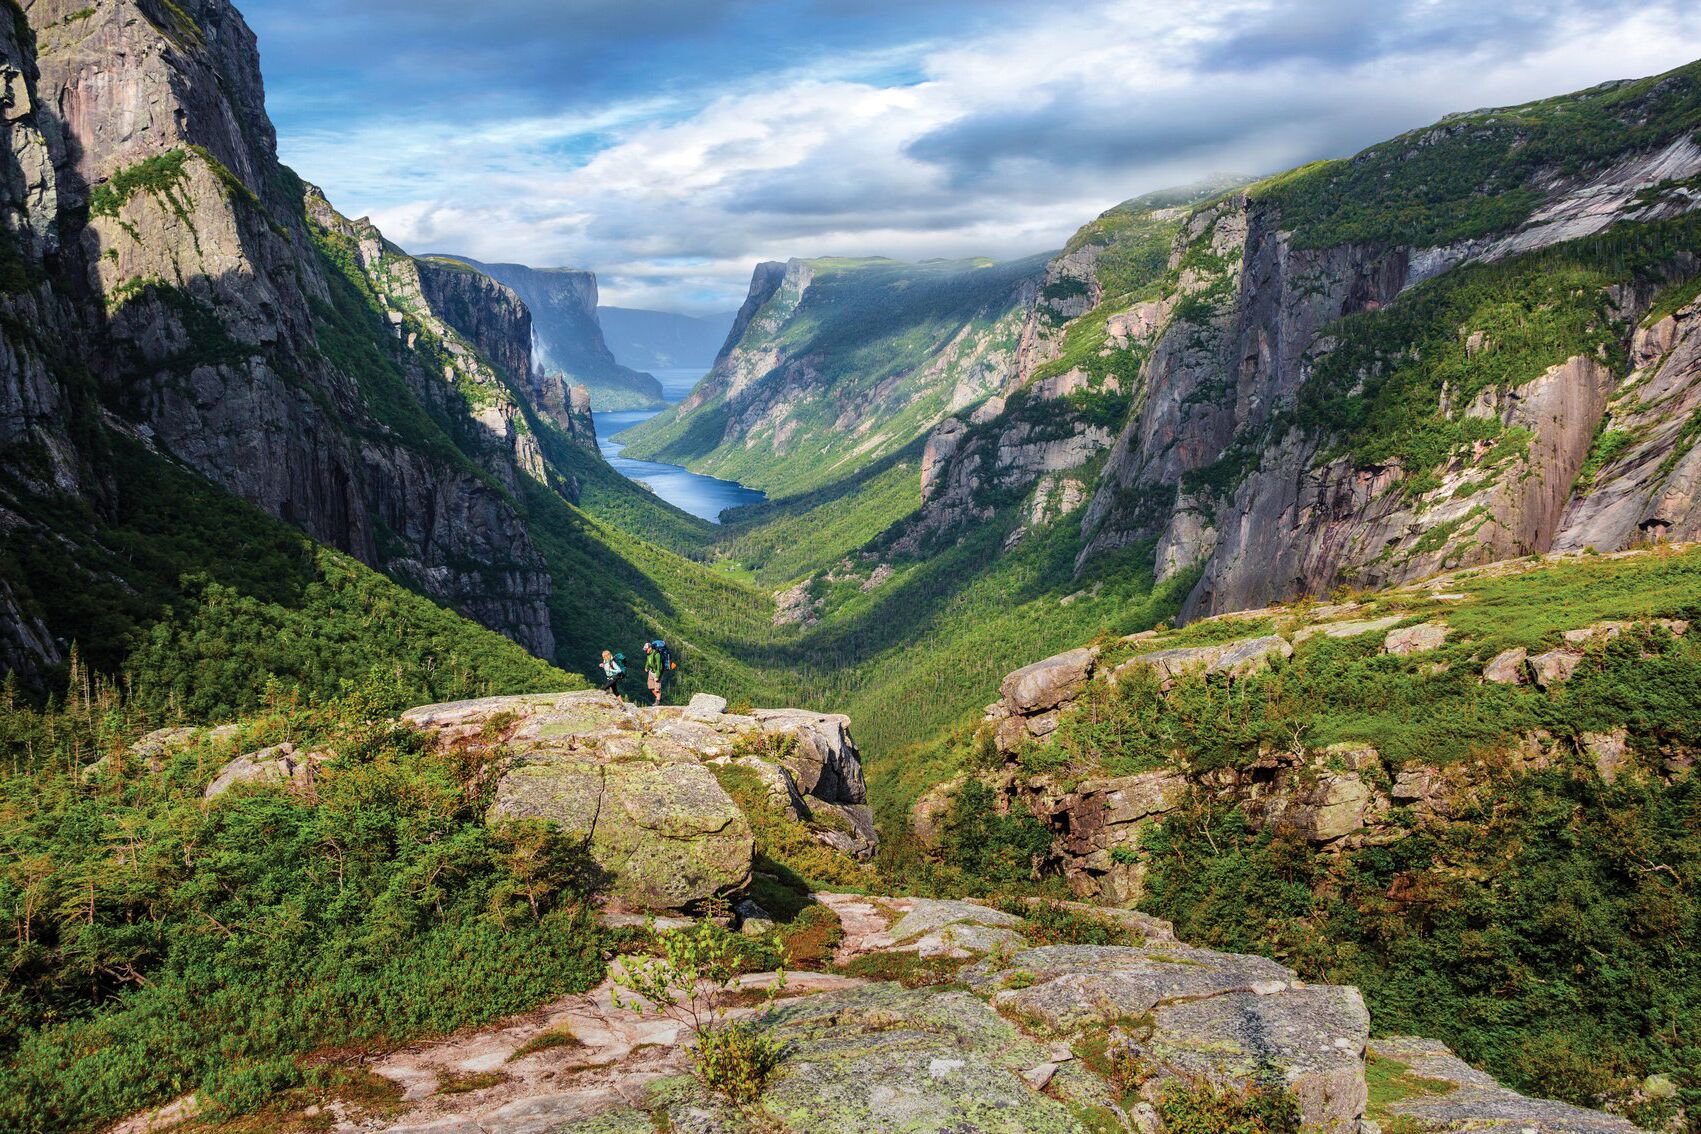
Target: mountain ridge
<point x="563" y="302"/>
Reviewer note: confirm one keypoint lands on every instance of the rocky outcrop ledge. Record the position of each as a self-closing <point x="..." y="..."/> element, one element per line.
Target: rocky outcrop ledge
<point x="638" y="784"/>
<point x="1061" y="1039"/>
<point x="1335" y="796"/>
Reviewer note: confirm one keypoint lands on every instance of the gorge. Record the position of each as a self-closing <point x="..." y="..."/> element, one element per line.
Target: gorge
<point x="1143" y="686"/>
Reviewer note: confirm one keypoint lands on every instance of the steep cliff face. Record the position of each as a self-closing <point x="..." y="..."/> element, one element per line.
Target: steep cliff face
<point x="39" y="412"/>
<point x="1319" y="381"/>
<point x="1079" y="358"/>
<point x="495" y="322"/>
<point x="1642" y="477"/>
<point x="563" y="302"/>
<point x="833" y="365"/>
<point x="183" y="287"/>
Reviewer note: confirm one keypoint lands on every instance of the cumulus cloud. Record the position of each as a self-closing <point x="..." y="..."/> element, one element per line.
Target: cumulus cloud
<point x="692" y="139"/>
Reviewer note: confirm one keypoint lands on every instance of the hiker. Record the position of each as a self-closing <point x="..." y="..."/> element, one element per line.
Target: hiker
<point x="653" y="669"/>
<point x="613" y="669"/>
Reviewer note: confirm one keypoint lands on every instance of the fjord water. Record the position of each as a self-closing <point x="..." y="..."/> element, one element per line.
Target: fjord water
<point x="703" y="496"/>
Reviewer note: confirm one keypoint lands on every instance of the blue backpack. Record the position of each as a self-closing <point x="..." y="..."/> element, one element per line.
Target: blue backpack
<point x="667" y="661"/>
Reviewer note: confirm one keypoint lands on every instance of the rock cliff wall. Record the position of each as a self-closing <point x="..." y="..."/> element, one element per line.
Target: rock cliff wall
<point x="1238" y="444"/>
<point x="569" y="342"/>
<point x="169" y="278"/>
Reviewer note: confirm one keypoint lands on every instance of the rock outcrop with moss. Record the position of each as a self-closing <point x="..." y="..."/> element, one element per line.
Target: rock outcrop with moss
<point x="638" y="786"/>
<point x="1057" y="763"/>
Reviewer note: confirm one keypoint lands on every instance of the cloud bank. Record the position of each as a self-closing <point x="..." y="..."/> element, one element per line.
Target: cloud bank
<point x="670" y="144"/>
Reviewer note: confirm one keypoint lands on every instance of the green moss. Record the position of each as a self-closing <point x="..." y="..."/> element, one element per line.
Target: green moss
<point x="178" y="25"/>
<point x="1673" y="299"/>
<point x="1608" y="444"/>
<point x="1391" y="1081"/>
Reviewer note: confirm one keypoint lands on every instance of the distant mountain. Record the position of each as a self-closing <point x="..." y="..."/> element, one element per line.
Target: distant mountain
<point x="664" y="340"/>
<point x="834" y="364"/>
<point x="563" y="303"/>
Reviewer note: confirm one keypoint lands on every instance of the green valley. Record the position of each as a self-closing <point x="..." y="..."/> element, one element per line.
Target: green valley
<point x="1307" y="567"/>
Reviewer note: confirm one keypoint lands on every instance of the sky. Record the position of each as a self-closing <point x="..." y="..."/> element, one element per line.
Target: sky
<point x="669" y="145"/>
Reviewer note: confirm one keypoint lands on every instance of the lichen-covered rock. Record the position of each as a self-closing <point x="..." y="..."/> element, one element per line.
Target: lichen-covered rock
<point x="668" y="833"/>
<point x="1064" y="988"/>
<point x="1507" y="667"/>
<point x="637" y="786"/>
<point x="1410" y="640"/>
<point x="885" y="1059"/>
<point x="825" y="761"/>
<point x="1235" y="659"/>
<point x="705" y="707"/>
<point x="1351" y="629"/>
<point x="280" y="764"/>
<point x="846" y="827"/>
<point x="1024" y="1049"/>
<point x="1554" y="667"/>
<point x="937" y="928"/>
<point x="1311" y="1039"/>
<point x="1477" y="1103"/>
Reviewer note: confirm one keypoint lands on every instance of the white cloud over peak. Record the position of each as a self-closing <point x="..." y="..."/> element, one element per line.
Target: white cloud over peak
<point x="1000" y="142"/>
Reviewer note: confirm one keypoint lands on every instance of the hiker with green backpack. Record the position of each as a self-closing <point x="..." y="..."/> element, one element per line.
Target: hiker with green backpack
<point x="658" y="661"/>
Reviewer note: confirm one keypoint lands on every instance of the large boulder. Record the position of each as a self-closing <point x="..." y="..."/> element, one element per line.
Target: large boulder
<point x="1507" y="667"/>
<point x="1554" y="667"/>
<point x="280" y="764"/>
<point x="1047" y="684"/>
<point x="824" y="761"/>
<point x="637" y="785"/>
<point x="666" y="831"/>
<point x="1419" y="639"/>
<point x="1310" y="1039"/>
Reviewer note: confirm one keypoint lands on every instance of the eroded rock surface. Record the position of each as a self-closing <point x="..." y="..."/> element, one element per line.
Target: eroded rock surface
<point x="1017" y="1047"/>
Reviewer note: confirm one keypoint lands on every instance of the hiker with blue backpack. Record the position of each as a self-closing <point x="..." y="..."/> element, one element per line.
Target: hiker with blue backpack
<point x="613" y="669"/>
<point x="658" y="661"/>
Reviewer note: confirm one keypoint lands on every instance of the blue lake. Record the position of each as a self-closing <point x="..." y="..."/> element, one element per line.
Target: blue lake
<point x="699" y="495"/>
